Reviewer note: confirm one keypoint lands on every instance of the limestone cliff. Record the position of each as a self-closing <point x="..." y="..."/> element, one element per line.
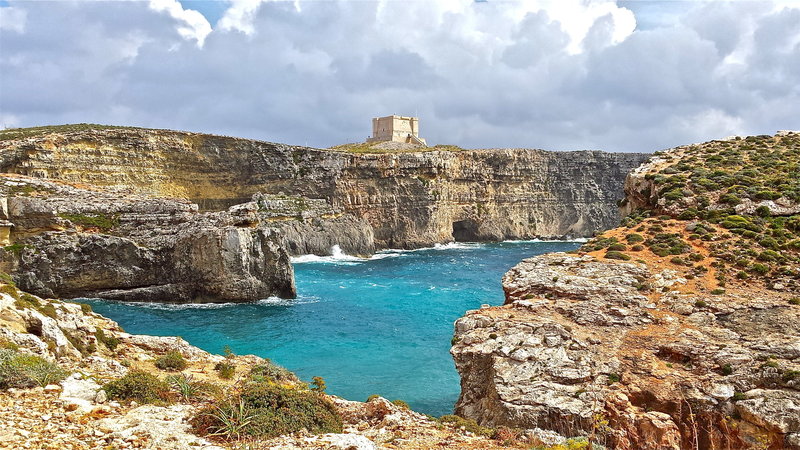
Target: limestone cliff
<point x="680" y="329"/>
<point x="78" y="242"/>
<point x="410" y="199"/>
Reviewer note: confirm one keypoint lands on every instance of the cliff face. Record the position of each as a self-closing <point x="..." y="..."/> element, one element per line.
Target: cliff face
<point x="409" y="199"/>
<point x="680" y="329"/>
<point x="76" y="242"/>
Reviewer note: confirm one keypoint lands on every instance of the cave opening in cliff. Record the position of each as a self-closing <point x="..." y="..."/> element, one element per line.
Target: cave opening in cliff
<point x="465" y="231"/>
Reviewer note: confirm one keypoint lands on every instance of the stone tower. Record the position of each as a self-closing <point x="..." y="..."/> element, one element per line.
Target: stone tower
<point x="396" y="128"/>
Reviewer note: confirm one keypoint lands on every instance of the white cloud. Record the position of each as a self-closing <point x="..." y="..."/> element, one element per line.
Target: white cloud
<point x="13" y="19"/>
<point x="561" y="75"/>
<point x="194" y="25"/>
<point x="240" y="15"/>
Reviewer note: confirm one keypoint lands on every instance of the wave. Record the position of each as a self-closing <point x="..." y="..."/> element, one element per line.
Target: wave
<point x="270" y="301"/>
<point x="339" y="257"/>
<point x="277" y="301"/>
<point x="533" y="241"/>
<point x="457" y="245"/>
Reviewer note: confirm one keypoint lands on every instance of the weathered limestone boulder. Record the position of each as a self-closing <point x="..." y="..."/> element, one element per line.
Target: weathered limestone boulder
<point x="164" y="427"/>
<point x="587" y="346"/>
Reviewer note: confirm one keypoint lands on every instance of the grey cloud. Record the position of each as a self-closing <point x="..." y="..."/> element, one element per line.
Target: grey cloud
<point x="478" y="77"/>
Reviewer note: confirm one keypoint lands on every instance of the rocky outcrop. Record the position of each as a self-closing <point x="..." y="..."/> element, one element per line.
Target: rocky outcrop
<point x="585" y="346"/>
<point x="409" y="199"/>
<point x="75" y="242"/>
<point x="312" y="226"/>
<point x="679" y="329"/>
<point x="75" y="410"/>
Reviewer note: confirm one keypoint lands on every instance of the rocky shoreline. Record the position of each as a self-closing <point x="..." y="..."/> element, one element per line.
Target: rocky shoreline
<point x="680" y="329"/>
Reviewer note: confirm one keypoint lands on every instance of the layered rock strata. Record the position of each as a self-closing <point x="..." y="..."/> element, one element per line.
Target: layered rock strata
<point x="679" y="329"/>
<point x="581" y="350"/>
<point x="409" y="199"/>
<point x="79" y="242"/>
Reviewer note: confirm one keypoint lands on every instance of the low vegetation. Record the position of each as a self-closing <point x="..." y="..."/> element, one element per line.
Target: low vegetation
<point x="365" y="147"/>
<point x="101" y="221"/>
<point x="724" y="197"/>
<point x="466" y="424"/>
<point x="21" y="370"/>
<point x="22" y="133"/>
<point x="171" y="361"/>
<point x="268" y="403"/>
<point x="140" y="386"/>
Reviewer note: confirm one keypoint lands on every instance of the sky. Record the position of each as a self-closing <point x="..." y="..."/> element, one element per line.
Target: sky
<point x="626" y="76"/>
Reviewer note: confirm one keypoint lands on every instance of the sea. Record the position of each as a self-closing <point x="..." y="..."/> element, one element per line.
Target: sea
<point x="379" y="325"/>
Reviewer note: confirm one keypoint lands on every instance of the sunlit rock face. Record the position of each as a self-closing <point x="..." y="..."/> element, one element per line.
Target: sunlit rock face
<point x="409" y="199"/>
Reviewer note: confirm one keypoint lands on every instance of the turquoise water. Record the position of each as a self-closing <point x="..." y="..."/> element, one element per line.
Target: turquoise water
<point x="378" y="326"/>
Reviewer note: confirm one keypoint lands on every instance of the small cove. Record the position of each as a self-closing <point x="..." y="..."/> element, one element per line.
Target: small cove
<point x="368" y="326"/>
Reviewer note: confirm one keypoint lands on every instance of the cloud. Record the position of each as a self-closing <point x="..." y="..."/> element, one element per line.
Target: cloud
<point x="193" y="24"/>
<point x="563" y="75"/>
<point x="13" y="19"/>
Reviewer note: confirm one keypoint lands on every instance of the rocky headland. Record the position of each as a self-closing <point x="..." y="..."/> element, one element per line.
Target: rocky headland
<point x="680" y="329"/>
<point x="157" y="215"/>
<point x="409" y="198"/>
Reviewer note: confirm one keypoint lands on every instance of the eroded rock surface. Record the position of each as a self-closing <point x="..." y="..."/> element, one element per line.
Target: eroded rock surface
<point x="87" y="242"/>
<point x="409" y="199"/>
<point x="588" y="346"/>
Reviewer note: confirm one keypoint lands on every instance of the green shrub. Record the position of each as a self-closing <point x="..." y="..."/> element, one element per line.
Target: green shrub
<point x="8" y="345"/>
<point x="794" y="301"/>
<point x="189" y="389"/>
<point x="172" y="361"/>
<point x="271" y="371"/>
<point x="12" y="291"/>
<point x="319" y="384"/>
<point x="264" y="410"/>
<point x="225" y="370"/>
<point x="760" y="269"/>
<point x="140" y="386"/>
<point x="109" y="341"/>
<point x="617" y="255"/>
<point x="101" y="221"/>
<point x="401" y="404"/>
<point x="763" y="211"/>
<point x="20" y="370"/>
<point x="718" y="292"/>
<point x="82" y="346"/>
<point x="634" y="238"/>
<point x="730" y="199"/>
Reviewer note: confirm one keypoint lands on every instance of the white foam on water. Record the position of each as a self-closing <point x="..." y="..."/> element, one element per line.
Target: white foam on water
<point x="270" y="301"/>
<point x="533" y="241"/>
<point x="457" y="245"/>
<point x="180" y="306"/>
<point x="339" y="257"/>
<point x="277" y="301"/>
